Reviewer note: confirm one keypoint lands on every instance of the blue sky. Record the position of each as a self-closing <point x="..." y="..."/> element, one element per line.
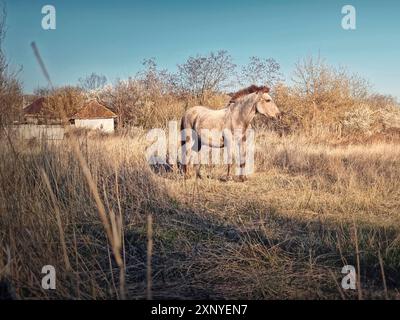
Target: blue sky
<point x="113" y="37"/>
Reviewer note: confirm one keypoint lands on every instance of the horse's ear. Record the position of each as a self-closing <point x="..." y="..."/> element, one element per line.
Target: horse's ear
<point x="264" y="89"/>
<point x="261" y="89"/>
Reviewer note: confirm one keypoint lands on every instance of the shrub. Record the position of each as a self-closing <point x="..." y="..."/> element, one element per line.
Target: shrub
<point x="359" y="120"/>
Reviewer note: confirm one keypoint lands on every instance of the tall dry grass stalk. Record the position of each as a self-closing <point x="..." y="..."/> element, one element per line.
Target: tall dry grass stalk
<point x="359" y="289"/>
<point x="383" y="274"/>
<point x="149" y="254"/>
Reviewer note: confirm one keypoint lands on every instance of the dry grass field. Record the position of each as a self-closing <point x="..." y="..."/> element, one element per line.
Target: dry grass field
<point x="114" y="228"/>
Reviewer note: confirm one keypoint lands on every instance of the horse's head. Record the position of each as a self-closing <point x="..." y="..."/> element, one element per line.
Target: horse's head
<point x="266" y="106"/>
<point x="260" y="96"/>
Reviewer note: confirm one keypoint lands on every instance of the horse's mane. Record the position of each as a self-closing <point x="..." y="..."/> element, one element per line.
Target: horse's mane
<point x="253" y="88"/>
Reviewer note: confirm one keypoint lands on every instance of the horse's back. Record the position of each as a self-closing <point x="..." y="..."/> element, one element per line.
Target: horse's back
<point x="193" y="113"/>
<point x="202" y="111"/>
<point x="197" y="110"/>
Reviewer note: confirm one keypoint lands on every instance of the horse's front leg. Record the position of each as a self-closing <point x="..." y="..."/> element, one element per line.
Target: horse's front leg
<point x="197" y="169"/>
<point x="185" y="169"/>
<point x="228" y="173"/>
<point x="242" y="159"/>
<point x="228" y="144"/>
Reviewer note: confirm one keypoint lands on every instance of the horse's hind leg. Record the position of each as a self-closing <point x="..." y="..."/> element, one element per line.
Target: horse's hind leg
<point x="186" y="165"/>
<point x="228" y="176"/>
<point x="186" y="150"/>
<point x="198" y="167"/>
<point x="242" y="176"/>
<point x="185" y="169"/>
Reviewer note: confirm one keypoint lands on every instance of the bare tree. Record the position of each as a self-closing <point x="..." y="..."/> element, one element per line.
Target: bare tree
<point x="321" y="83"/>
<point x="65" y="100"/>
<point x="136" y="99"/>
<point x="201" y="75"/>
<point x="42" y="91"/>
<point x="93" y="81"/>
<point x="261" y="71"/>
<point x="311" y="77"/>
<point x="153" y="79"/>
<point x="123" y="98"/>
<point x="10" y="87"/>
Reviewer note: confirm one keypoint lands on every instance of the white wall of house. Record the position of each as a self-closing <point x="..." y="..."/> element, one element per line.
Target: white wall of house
<point x="29" y="131"/>
<point x="106" y="125"/>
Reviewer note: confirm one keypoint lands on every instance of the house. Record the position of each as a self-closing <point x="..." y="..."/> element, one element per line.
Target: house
<point x="94" y="115"/>
<point x="39" y="122"/>
<point x="36" y="113"/>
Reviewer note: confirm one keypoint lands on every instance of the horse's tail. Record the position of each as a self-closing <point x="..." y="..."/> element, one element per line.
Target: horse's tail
<point x="185" y="126"/>
<point x="183" y="141"/>
<point x="182" y="135"/>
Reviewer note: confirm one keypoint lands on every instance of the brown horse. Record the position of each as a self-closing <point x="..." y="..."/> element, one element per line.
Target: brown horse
<point x="199" y="121"/>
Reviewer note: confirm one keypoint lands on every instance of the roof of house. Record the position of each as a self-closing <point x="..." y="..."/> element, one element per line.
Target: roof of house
<point x="94" y="110"/>
<point x="38" y="109"/>
<point x="35" y="107"/>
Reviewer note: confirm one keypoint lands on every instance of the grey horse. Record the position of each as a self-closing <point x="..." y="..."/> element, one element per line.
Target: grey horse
<point x="199" y="122"/>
